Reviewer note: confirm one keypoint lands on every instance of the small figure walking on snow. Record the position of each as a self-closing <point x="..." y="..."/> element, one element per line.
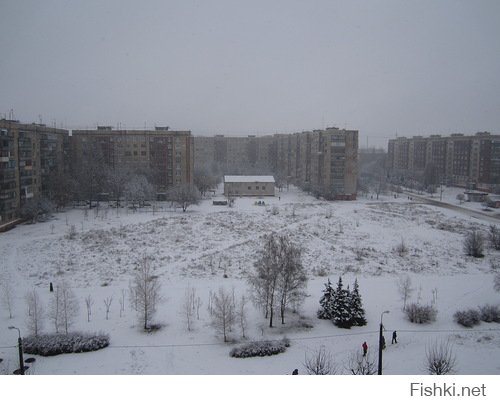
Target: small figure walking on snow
<point x="295" y="372"/>
<point x="365" y="348"/>
<point x="382" y="341"/>
<point x="51" y="287"/>
<point x="394" y="337"/>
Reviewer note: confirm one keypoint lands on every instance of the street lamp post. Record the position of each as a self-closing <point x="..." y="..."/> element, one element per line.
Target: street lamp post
<point x="380" y="343"/>
<point x="20" y="344"/>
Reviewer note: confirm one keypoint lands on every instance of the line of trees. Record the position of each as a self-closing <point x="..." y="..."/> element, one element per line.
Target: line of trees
<point x="279" y="280"/>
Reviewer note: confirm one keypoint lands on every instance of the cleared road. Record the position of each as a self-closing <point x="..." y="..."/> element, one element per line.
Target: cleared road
<point x="463" y="210"/>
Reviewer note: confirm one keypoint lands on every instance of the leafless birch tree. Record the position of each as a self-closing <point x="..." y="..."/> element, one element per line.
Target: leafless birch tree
<point x="88" y="303"/>
<point x="405" y="289"/>
<point x="69" y="307"/>
<point x="223" y="314"/>
<point x="145" y="291"/>
<point x="7" y="298"/>
<point x="107" y="303"/>
<point x="35" y="313"/>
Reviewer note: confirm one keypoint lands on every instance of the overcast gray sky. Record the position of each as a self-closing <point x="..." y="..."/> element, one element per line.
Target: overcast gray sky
<point x="254" y="67"/>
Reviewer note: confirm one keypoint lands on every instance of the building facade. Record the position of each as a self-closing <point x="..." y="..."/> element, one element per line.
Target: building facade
<point x="325" y="161"/>
<point x="30" y="154"/>
<point x="246" y="186"/>
<point x="165" y="156"/>
<point x="471" y="161"/>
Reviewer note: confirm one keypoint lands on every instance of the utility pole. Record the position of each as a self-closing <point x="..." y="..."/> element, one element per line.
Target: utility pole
<point x="380" y="345"/>
<point x="20" y="344"/>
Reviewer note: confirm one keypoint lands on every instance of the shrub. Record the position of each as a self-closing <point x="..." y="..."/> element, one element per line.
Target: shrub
<point x="494" y="237"/>
<point x="54" y="344"/>
<point x="261" y="348"/>
<point x="418" y="313"/>
<point x="467" y="318"/>
<point x="490" y="313"/>
<point x="474" y="244"/>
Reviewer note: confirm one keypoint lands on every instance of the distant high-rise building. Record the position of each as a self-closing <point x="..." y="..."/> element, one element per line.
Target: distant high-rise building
<point x="322" y="161"/>
<point x="30" y="154"/>
<point x="164" y="156"/>
<point x="467" y="161"/>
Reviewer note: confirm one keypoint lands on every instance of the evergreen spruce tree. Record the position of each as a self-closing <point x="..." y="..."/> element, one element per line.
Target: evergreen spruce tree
<point x="356" y="307"/>
<point x="326" y="302"/>
<point x="341" y="314"/>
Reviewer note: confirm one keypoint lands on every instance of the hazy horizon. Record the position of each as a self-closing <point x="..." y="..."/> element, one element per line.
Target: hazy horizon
<point x="254" y="68"/>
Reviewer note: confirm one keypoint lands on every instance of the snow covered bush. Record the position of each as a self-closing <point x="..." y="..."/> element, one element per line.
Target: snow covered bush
<point x="261" y="348"/>
<point x="418" y="313"/>
<point x="490" y="313"/>
<point x="494" y="237"/>
<point x="54" y="344"/>
<point x="474" y="244"/>
<point x="467" y="318"/>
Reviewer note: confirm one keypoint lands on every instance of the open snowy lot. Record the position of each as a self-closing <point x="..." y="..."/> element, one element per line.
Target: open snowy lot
<point x="210" y="247"/>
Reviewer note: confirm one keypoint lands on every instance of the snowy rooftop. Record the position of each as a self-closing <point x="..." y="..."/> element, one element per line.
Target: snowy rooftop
<point x="248" y="179"/>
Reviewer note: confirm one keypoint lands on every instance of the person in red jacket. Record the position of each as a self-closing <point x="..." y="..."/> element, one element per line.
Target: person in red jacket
<point x="365" y="348"/>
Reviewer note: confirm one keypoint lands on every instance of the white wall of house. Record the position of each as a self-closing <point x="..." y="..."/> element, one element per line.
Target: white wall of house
<point x="249" y="186"/>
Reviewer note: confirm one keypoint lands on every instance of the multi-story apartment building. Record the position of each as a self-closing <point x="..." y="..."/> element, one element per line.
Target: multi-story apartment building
<point x="164" y="155"/>
<point x="235" y="155"/>
<point x="321" y="160"/>
<point x="466" y="161"/>
<point x="29" y="155"/>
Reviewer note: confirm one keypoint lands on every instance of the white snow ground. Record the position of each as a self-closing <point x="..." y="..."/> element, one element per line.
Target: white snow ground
<point x="352" y="239"/>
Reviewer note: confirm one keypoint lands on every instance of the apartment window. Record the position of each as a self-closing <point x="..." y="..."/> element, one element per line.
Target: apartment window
<point x="249" y="187"/>
<point x="263" y="187"/>
<point x="256" y="187"/>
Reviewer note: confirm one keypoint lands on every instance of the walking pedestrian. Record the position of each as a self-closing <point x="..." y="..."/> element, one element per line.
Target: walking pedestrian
<point x="394" y="337"/>
<point x="382" y="341"/>
<point x="365" y="348"/>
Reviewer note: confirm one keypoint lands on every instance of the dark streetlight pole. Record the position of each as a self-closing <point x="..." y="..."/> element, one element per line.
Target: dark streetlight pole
<point x="20" y="344"/>
<point x="380" y="343"/>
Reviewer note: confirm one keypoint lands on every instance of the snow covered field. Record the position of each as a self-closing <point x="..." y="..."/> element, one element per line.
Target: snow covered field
<point x="197" y="248"/>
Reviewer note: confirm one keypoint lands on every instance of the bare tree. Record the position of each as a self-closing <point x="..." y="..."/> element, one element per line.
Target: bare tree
<point x="440" y="358"/>
<point x="107" y="303"/>
<point x="122" y="303"/>
<point x="188" y="306"/>
<point x="320" y="363"/>
<point x="494" y="237"/>
<point x="292" y="280"/>
<point x="279" y="278"/>
<point x="88" y="303"/>
<point x="265" y="279"/>
<point x="361" y="365"/>
<point x="35" y="313"/>
<point x="223" y="314"/>
<point x="145" y="291"/>
<point x="116" y="182"/>
<point x="7" y="298"/>
<point x="69" y="306"/>
<point x="184" y="195"/>
<point x="204" y="180"/>
<point x="496" y="282"/>
<point x="474" y="244"/>
<point x="55" y="308"/>
<point x="138" y="190"/>
<point x="242" y="315"/>
<point x="405" y="289"/>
